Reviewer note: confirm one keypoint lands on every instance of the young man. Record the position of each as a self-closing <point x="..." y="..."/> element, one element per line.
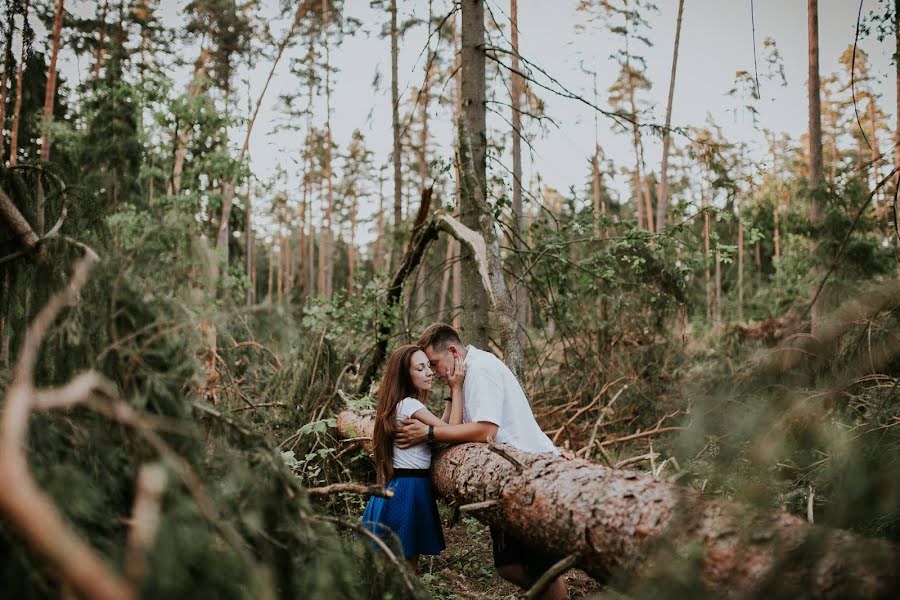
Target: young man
<point x="494" y="407"/>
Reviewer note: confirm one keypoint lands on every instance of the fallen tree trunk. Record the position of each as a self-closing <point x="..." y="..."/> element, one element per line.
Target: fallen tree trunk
<point x="625" y="523"/>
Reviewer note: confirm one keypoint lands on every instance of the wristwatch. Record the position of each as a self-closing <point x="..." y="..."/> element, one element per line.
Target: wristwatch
<point x="430" y="440"/>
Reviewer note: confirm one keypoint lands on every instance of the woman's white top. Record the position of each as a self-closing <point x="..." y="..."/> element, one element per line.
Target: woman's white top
<point x="414" y="457"/>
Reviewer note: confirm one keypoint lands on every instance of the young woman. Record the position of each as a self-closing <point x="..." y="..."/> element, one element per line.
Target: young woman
<point x="411" y="515"/>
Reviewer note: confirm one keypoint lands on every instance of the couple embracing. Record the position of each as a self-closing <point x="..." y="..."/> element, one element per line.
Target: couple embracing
<point x="486" y="402"/>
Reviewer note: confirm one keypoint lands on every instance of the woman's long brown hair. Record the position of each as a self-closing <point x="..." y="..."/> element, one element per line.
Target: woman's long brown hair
<point x="396" y="385"/>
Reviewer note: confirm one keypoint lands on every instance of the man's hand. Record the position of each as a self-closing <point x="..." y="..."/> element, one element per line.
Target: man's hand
<point x="410" y="433"/>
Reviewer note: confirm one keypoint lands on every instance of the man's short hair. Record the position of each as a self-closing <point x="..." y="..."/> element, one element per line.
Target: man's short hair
<point x="439" y="336"/>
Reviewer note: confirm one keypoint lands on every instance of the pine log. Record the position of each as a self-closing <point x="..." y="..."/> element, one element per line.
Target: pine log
<point x="627" y="524"/>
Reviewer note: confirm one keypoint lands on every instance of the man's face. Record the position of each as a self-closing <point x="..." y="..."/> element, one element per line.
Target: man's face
<point x="443" y="362"/>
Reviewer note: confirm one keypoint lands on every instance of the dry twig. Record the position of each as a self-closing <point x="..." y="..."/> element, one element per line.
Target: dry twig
<point x="352" y="488"/>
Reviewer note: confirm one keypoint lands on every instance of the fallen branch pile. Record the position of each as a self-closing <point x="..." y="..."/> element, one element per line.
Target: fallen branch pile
<point x="626" y="523"/>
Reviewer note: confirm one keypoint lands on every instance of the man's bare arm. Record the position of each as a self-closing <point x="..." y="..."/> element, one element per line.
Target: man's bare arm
<point x="414" y="432"/>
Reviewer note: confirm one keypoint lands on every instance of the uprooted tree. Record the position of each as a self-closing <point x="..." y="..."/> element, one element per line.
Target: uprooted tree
<point x="620" y="523"/>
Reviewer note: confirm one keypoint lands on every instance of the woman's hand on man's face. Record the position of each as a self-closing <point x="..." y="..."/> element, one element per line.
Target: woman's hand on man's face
<point x="456" y="378"/>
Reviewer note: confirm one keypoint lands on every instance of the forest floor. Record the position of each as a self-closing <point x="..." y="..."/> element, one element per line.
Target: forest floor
<point x="465" y="570"/>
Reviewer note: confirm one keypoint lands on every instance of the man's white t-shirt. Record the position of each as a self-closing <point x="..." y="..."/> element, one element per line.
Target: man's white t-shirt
<point x="492" y="393"/>
<point x="414" y="457"/>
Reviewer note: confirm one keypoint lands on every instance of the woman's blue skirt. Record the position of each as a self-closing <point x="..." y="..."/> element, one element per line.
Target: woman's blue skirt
<point x="410" y="517"/>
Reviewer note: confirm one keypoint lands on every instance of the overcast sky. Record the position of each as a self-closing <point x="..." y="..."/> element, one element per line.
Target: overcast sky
<point x="716" y="42"/>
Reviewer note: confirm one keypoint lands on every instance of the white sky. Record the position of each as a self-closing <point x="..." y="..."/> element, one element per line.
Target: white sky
<point x="716" y="42"/>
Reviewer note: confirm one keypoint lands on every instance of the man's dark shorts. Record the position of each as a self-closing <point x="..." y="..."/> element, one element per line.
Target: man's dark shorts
<point x="510" y="550"/>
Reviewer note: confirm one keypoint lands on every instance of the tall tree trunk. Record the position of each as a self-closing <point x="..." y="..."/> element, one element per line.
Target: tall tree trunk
<point x="395" y="126"/>
<point x="310" y="243"/>
<point x="706" y="257"/>
<point x="378" y="259"/>
<point x="616" y="522"/>
<point x="17" y="108"/>
<point x="101" y="40"/>
<point x="49" y="101"/>
<point x="329" y="211"/>
<point x="717" y="307"/>
<point x="740" y="278"/>
<point x="322" y="286"/>
<point x="662" y="201"/>
<point x="643" y="202"/>
<point x="516" y="90"/>
<point x="875" y="153"/>
<point x="897" y="83"/>
<point x="4" y="81"/>
<point x="248" y="245"/>
<point x="445" y="280"/>
<point x="472" y="150"/>
<point x="271" y="272"/>
<point x="184" y="129"/>
<point x="351" y="248"/>
<point x="815" y="140"/>
<point x="815" y="108"/>
<point x="456" y="290"/>
<point x="423" y="168"/>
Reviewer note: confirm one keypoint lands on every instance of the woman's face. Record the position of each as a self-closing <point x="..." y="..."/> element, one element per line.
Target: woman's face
<point x="420" y="371"/>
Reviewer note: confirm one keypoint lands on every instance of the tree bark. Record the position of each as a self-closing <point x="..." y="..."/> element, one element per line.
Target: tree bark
<point x="16" y="222"/>
<point x="472" y="140"/>
<point x="395" y="126"/>
<point x="98" y="52"/>
<point x="516" y="90"/>
<point x="4" y="82"/>
<point x="897" y="82"/>
<point x="815" y="108"/>
<point x="815" y="144"/>
<point x="248" y="246"/>
<point x="17" y="108"/>
<point x="662" y="202"/>
<point x="184" y="133"/>
<point x="626" y="523"/>
<point x="328" y="250"/>
<point x="49" y="101"/>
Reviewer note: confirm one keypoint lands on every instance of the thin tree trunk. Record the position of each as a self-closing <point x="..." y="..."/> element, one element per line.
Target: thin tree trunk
<point x="445" y="280"/>
<point x="329" y="212"/>
<point x="310" y="243"/>
<point x="271" y="272"/>
<point x="456" y="300"/>
<point x="351" y="248"/>
<point x="815" y="109"/>
<point x="377" y="259"/>
<point x="49" y="101"/>
<point x="897" y="83"/>
<point x="395" y="125"/>
<point x="640" y="198"/>
<point x="248" y="245"/>
<point x="662" y="202"/>
<point x="423" y="170"/>
<point x="717" y="315"/>
<point x="706" y="257"/>
<point x="740" y="281"/>
<point x="184" y="130"/>
<point x="98" y="52"/>
<point x="516" y="90"/>
<point x="4" y="82"/>
<point x="875" y="153"/>
<point x="474" y="321"/>
<point x="17" y="108"/>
